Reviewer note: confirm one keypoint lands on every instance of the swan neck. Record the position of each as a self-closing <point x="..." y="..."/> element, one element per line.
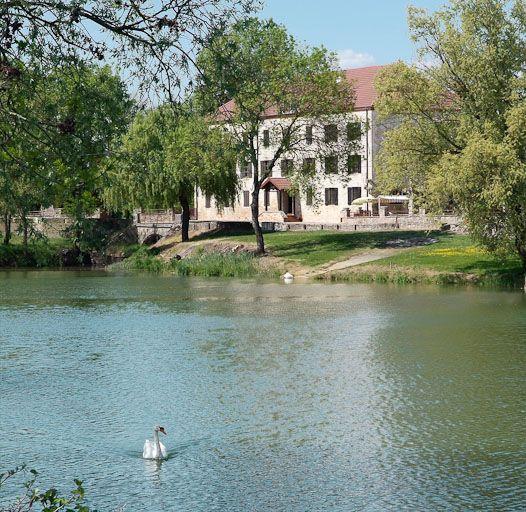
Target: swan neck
<point x="157" y="443"/>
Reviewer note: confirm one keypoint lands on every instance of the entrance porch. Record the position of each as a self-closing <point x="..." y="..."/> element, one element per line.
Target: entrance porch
<point x="278" y="200"/>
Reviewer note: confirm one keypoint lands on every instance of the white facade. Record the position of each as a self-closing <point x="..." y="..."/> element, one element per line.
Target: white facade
<point x="333" y="191"/>
<point x="281" y="208"/>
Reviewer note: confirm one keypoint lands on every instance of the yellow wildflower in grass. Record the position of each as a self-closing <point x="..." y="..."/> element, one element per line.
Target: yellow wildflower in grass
<point x="456" y="252"/>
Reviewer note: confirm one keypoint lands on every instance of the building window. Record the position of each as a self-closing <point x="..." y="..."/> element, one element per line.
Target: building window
<point x="246" y="170"/>
<point x="331" y="196"/>
<point x="331" y="133"/>
<point x="266" y="198"/>
<point x="207" y="201"/>
<point x="266" y="138"/>
<point x="308" y="134"/>
<point x="287" y="167"/>
<point x="353" y="193"/>
<point x="246" y="198"/>
<point x="265" y="167"/>
<point x="309" y="198"/>
<point x="309" y="166"/>
<point x="331" y="164"/>
<point x="354" y="163"/>
<point x="354" y="131"/>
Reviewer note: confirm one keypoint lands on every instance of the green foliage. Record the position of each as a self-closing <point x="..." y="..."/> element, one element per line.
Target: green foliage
<point x="203" y="263"/>
<point x="43" y="501"/>
<point x="152" y="42"/>
<point x="38" y="253"/>
<point x="164" y="156"/>
<point x="217" y="265"/>
<point x="53" y="152"/>
<point x="93" y="108"/>
<point x="462" y="137"/>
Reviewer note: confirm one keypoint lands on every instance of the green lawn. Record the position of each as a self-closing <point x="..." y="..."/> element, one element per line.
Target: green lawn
<point x="314" y="248"/>
<point x="453" y="256"/>
<point x="453" y="253"/>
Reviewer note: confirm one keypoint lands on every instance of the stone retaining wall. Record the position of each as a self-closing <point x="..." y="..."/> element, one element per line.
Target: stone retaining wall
<point x="403" y="222"/>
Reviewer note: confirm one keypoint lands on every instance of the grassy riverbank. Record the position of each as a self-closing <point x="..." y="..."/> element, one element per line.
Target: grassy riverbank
<point x="382" y="257"/>
<point x="316" y="248"/>
<point x="38" y="254"/>
<point x="201" y="263"/>
<point x="454" y="259"/>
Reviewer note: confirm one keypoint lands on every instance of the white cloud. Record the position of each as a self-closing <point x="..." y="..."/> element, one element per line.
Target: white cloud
<point x="351" y="59"/>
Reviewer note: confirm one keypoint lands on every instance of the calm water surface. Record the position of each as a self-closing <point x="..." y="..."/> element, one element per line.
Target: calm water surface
<point x="308" y="397"/>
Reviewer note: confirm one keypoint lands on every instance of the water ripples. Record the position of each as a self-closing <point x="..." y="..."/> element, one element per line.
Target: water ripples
<point x="309" y="397"/>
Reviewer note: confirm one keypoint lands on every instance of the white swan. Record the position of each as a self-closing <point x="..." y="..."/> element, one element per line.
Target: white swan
<point x="155" y="449"/>
<point x="288" y="278"/>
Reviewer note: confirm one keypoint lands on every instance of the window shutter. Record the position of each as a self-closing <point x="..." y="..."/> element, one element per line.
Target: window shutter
<point x="354" y="131"/>
<point x="246" y="170"/>
<point x="308" y="134"/>
<point x="331" y="133"/>
<point x="246" y="198"/>
<point x="207" y="201"/>
<point x="353" y="193"/>
<point x="354" y="163"/>
<point x="308" y="200"/>
<point x="266" y="138"/>
<point x="331" y="196"/>
<point x="286" y="167"/>
<point x="331" y="164"/>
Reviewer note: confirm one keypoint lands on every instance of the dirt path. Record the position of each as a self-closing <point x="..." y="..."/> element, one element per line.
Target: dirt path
<point x="357" y="259"/>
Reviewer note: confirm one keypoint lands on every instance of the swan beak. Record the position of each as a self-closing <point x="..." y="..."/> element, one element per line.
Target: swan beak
<point x="162" y="430"/>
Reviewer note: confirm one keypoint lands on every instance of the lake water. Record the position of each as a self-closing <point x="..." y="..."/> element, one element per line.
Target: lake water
<point x="308" y="397"/>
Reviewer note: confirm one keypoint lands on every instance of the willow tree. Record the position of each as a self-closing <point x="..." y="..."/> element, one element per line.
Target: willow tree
<point x="256" y="69"/>
<point x="462" y="134"/>
<point x="165" y="157"/>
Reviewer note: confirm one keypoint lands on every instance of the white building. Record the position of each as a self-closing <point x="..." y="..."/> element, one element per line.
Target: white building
<point x="333" y="194"/>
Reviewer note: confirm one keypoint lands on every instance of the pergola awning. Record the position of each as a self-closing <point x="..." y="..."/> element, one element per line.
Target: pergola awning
<point x="277" y="183"/>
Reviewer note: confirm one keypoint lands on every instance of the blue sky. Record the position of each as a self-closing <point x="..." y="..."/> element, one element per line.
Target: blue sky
<point x="363" y="32"/>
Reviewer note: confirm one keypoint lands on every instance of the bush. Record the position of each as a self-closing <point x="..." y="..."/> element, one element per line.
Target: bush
<point x="33" y="499"/>
<point x="40" y="253"/>
<point x="216" y="265"/>
<point x="205" y="264"/>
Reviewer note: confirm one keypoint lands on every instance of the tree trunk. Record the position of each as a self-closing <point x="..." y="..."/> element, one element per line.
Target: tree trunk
<point x="7" y="228"/>
<point x="25" y="226"/>
<point x="521" y="249"/>
<point x="255" y="219"/>
<point x="185" y="217"/>
<point x="523" y="258"/>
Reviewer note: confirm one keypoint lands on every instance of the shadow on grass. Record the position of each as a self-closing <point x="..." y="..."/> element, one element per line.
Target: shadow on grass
<point x="506" y="272"/>
<point x="299" y="244"/>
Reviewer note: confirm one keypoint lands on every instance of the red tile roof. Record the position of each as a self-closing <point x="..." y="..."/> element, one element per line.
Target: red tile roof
<point x="278" y="183"/>
<point x="363" y="82"/>
<point x="361" y="78"/>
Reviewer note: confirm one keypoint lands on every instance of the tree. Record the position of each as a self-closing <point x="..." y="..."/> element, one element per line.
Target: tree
<point x="25" y="180"/>
<point x="256" y="68"/>
<point x="90" y="107"/>
<point x="154" y="40"/>
<point x="164" y="157"/>
<point x="82" y="108"/>
<point x="462" y="137"/>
